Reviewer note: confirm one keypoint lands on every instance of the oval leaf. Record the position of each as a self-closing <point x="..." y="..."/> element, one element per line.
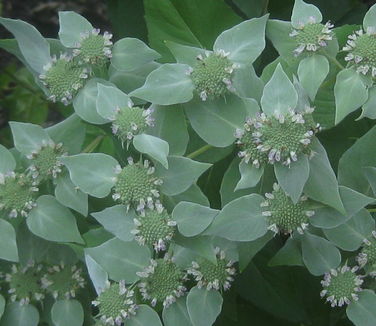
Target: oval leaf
<point x="109" y="99"/>
<point x="249" y="175"/>
<point x="71" y="27"/>
<point x="302" y="13"/>
<point x="363" y="312"/>
<point x="67" y="312"/>
<point x="177" y="314"/>
<point x="369" y="20"/>
<point x="7" y="162"/>
<point x="8" y="245"/>
<point x="20" y="315"/>
<point x="155" y="147"/>
<point x="145" y="316"/>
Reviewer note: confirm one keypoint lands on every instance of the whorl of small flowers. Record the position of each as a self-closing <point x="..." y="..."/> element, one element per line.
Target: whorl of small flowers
<point x="63" y="77"/>
<point x="63" y="281"/>
<point x="44" y="161"/>
<point x="361" y="48"/>
<point x="212" y="75"/>
<point x="93" y="48"/>
<point x="162" y="282"/>
<point x="341" y="286"/>
<point x="154" y="227"/>
<point x="25" y="283"/>
<point x="311" y="36"/>
<point x="367" y="256"/>
<point x="131" y="121"/>
<point x="116" y="304"/>
<point x="136" y="185"/>
<point x="17" y="194"/>
<point x="213" y="276"/>
<point x="283" y="215"/>
<point x="277" y="138"/>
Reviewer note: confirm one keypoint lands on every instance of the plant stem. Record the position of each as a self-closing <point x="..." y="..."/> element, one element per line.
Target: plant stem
<point x="334" y="60"/>
<point x="265" y="9"/>
<point x="198" y="152"/>
<point x="371" y="210"/>
<point x="89" y="148"/>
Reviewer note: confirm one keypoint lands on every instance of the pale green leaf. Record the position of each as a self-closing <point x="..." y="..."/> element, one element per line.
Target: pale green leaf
<point x="185" y="54"/>
<point x="109" y="99"/>
<point x="302" y="13"/>
<point x="98" y="275"/>
<point x="369" y="107"/>
<point x="2" y="305"/>
<point x="145" y="316"/>
<point x="71" y="27"/>
<point x="369" y="20"/>
<point x="278" y="32"/>
<point x="20" y="315"/>
<point x="7" y="162"/>
<point x="289" y="255"/>
<point x="93" y="173"/>
<point x="177" y="313"/>
<point x="362" y="312"/>
<point x="67" y="312"/>
<point x="249" y="175"/>
<point x="8" y="245"/>
<point x="155" y="147"/>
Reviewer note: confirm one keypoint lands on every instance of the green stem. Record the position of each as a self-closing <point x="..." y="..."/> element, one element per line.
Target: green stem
<point x="198" y="152"/>
<point x="265" y="9"/>
<point x="371" y="210"/>
<point x="89" y="148"/>
<point x="334" y="60"/>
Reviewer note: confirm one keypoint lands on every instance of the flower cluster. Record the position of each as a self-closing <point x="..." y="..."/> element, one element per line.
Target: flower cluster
<point x="44" y="162"/>
<point x="311" y="36"/>
<point x="213" y="275"/>
<point x="131" y="121"/>
<point x="278" y="138"/>
<point x="135" y="185"/>
<point x="212" y="75"/>
<point x="341" y="285"/>
<point x="63" y="281"/>
<point x="17" y="194"/>
<point x="116" y="304"/>
<point x="367" y="256"/>
<point x="154" y="227"/>
<point x="163" y="282"/>
<point x="63" y="77"/>
<point x="283" y="215"/>
<point x="93" y="48"/>
<point x="361" y="48"/>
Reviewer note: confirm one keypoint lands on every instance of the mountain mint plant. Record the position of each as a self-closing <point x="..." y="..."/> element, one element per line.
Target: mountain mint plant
<point x="201" y="178"/>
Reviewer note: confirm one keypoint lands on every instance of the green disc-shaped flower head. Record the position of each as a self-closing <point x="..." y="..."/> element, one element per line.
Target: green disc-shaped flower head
<point x="211" y="275"/>
<point x="341" y="286"/>
<point x="45" y="162"/>
<point x="63" y="281"/>
<point x="162" y="282"/>
<point x="312" y="36"/>
<point x="367" y="256"/>
<point x="131" y="121"/>
<point x="277" y="138"/>
<point x="212" y="75"/>
<point x="283" y="215"/>
<point x="17" y="194"/>
<point x="116" y="304"/>
<point x="136" y="185"/>
<point x="63" y="77"/>
<point x="361" y="48"/>
<point x="154" y="227"/>
<point x="93" y="48"/>
<point x="25" y="283"/>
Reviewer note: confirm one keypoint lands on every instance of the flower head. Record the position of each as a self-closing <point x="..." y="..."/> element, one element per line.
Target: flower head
<point x="212" y="74"/>
<point x="131" y="121"/>
<point x="213" y="275"/>
<point x="25" y="283"/>
<point x="311" y="36"/>
<point x="116" y="304"/>
<point x="154" y="227"/>
<point x="341" y="285"/>
<point x="63" y="281"/>
<point x="361" y="48"/>
<point x="94" y="48"/>
<point x="17" y="193"/>
<point x="283" y="215"/>
<point x="163" y="282"/>
<point x="45" y="163"/>
<point x="278" y="138"/>
<point x="136" y="185"/>
<point x="367" y="256"/>
<point x="63" y="77"/>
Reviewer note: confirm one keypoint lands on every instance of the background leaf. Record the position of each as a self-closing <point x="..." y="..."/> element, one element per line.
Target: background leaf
<point x="20" y="315"/>
<point x="362" y="312"/>
<point x="67" y="312"/>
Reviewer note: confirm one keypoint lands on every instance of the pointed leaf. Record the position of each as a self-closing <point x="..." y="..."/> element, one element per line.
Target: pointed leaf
<point x="362" y="312"/>
<point x="130" y="54"/>
<point x="312" y="71"/>
<point x="71" y="27"/>
<point x="249" y="175"/>
<point x="203" y="306"/>
<point x="277" y="31"/>
<point x="293" y="178"/>
<point x="192" y="219"/>
<point x="181" y="174"/>
<point x="121" y="260"/>
<point x="244" y="41"/>
<point x="369" y="107"/>
<point x="98" y="275"/>
<point x="319" y="255"/>
<point x="169" y="84"/>
<point x="177" y="314"/>
<point x="289" y="255"/>
<point x="118" y="221"/>
<point x="350" y="93"/>
<point x="93" y="173"/>
<point x="7" y="162"/>
<point x="20" y="315"/>
<point x="34" y="48"/>
<point x="8" y="245"/>
<point x="184" y="54"/>
<point x="155" y="147"/>
<point x="279" y="94"/>
<point x="302" y="13"/>
<point x="369" y="19"/>
<point x="145" y="316"/>
<point x="52" y="221"/>
<point x="67" y="312"/>
<point x="109" y="99"/>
